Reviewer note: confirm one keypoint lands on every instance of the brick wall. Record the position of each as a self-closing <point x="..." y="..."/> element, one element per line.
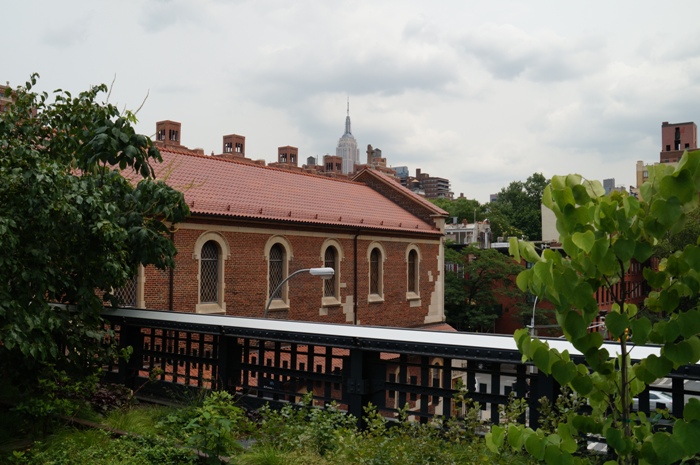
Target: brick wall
<point x="246" y="280"/>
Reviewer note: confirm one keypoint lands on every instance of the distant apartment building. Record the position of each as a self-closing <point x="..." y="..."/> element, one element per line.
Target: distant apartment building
<point x="465" y="233"/>
<point x="434" y="187"/>
<point x="676" y="138"/>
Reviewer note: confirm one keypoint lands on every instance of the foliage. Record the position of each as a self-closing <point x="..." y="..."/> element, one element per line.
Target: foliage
<point x="108" y="397"/>
<point x="56" y="395"/>
<point x="475" y="296"/>
<point x="601" y="234"/>
<point x="462" y="208"/>
<point x="517" y="211"/>
<point x="304" y="427"/>
<point x="213" y="427"/>
<point x="72" y="227"/>
<point x="74" y="447"/>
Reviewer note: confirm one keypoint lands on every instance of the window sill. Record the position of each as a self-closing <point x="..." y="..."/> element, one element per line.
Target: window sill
<point x="375" y="298"/>
<point x="330" y="302"/>
<point x="278" y="304"/>
<point x="211" y="308"/>
<point x="412" y="296"/>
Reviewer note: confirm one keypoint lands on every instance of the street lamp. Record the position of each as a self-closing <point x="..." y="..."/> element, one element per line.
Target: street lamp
<point x="532" y="321"/>
<point x="324" y="272"/>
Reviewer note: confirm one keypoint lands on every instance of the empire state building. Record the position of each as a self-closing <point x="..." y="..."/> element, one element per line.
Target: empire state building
<point x="347" y="147"/>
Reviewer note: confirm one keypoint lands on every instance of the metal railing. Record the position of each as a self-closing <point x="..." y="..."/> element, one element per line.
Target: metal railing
<point x="279" y="361"/>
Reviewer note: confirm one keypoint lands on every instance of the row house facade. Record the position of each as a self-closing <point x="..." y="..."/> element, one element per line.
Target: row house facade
<point x="251" y="226"/>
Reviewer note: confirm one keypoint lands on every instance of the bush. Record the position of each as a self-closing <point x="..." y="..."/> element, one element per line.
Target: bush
<point x="213" y="427"/>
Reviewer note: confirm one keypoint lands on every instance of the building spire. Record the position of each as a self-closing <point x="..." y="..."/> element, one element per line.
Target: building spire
<point x="347" y="119"/>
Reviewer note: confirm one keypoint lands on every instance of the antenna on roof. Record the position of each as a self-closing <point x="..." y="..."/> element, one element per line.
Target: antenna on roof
<point x="348" y="104"/>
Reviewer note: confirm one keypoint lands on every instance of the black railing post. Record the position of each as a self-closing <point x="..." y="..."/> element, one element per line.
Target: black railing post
<point x="521" y="388"/>
<point x="364" y="383"/>
<point x="678" y="395"/>
<point x="544" y="387"/>
<point x="229" y="363"/>
<point x="130" y="336"/>
<point x="495" y="390"/>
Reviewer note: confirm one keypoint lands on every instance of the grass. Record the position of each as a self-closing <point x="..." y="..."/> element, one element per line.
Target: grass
<point x="292" y="436"/>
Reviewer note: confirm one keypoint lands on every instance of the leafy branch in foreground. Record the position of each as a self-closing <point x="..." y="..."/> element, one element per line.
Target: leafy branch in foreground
<point x="601" y="235"/>
<point x="81" y="209"/>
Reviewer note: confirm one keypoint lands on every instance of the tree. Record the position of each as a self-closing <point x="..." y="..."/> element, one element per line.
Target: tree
<point x="518" y="209"/>
<point x="601" y="234"/>
<point x="72" y="226"/>
<point x="462" y="208"/>
<point x="475" y="296"/>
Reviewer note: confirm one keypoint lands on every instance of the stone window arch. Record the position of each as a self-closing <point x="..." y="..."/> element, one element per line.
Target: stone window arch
<point x="211" y="251"/>
<point x="331" y="257"/>
<point x="278" y="254"/>
<point x="413" y="260"/>
<point x="375" y="258"/>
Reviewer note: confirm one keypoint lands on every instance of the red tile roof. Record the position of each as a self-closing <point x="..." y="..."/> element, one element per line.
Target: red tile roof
<point x="215" y="186"/>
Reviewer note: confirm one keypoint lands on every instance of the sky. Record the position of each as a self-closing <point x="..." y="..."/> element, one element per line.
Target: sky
<point x="482" y="92"/>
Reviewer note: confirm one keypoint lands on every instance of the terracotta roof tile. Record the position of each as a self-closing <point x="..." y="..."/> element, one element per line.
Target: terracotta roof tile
<point x="215" y="186"/>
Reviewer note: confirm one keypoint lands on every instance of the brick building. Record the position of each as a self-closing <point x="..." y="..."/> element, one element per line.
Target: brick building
<point x="251" y="226"/>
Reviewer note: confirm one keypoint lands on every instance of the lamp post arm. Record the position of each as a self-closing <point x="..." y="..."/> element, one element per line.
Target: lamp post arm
<point x="269" y="301"/>
<point x="532" y="321"/>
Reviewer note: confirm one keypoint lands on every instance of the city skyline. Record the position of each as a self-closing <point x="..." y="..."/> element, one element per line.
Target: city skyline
<point x="482" y="93"/>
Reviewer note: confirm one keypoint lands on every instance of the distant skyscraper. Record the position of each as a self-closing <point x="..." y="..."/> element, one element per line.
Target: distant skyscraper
<point x="347" y="147"/>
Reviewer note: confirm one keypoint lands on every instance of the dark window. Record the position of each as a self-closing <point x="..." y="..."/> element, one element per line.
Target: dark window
<point x="276" y="270"/>
<point x="412" y="271"/>
<point x="374" y="282"/>
<point x="209" y="273"/>
<point x="330" y="262"/>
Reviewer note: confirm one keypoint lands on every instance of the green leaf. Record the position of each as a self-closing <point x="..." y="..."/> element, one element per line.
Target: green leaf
<point x="686" y="434"/>
<point x="666" y="448"/>
<point x="541" y="359"/>
<point x="616" y="440"/>
<point x="689" y="323"/>
<point x="642" y="251"/>
<point x="641" y="327"/>
<point x="535" y="445"/>
<point x="616" y="323"/>
<point x="584" y="241"/>
<point x="691" y="411"/>
<point x="679" y="354"/>
<point x="515" y="437"/>
<point x="657" y="366"/>
<point x="624" y="248"/>
<point x="513" y="248"/>
<point x="680" y="186"/>
<point x="563" y="371"/>
<point x="494" y="439"/>
<point x="583" y="384"/>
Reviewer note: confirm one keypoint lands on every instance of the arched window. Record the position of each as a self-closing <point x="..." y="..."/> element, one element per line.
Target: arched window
<point x="209" y="273"/>
<point x="211" y="252"/>
<point x="277" y="271"/>
<point x="413" y="274"/>
<point x="330" y="260"/>
<point x="376" y="278"/>
<point x="374" y="258"/>
<point x="131" y="294"/>
<point x="413" y="271"/>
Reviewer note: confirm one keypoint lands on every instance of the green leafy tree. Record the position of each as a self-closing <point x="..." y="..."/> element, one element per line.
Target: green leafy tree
<point x="72" y="226"/>
<point x="462" y="208"/>
<point x="475" y="296"/>
<point x="601" y="234"/>
<point x="518" y="209"/>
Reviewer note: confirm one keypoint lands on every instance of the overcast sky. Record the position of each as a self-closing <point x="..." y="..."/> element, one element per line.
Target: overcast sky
<point x="480" y="92"/>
